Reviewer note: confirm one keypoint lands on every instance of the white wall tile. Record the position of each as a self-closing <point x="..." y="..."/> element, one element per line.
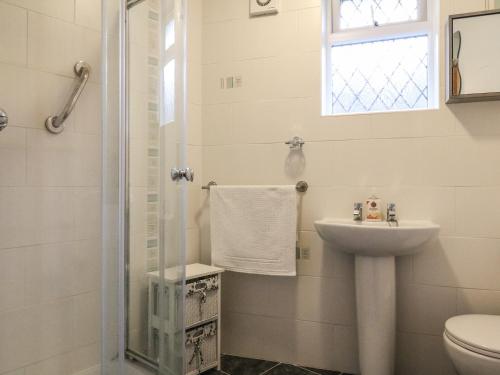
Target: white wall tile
<point x="48" y="37"/>
<point x="459" y="262"/>
<point x="346" y="353"/>
<point x="477" y="158"/>
<point x="259" y="37"/>
<point x="67" y="159"/>
<point x="62" y="9"/>
<point x="57" y="365"/>
<point x="33" y="215"/>
<point x="425" y="308"/>
<point x="289" y="5"/>
<point x="221" y="10"/>
<point x="326" y="300"/>
<point x="87" y="113"/>
<point x="475" y="301"/>
<point x="49" y="272"/>
<point x="422" y="355"/>
<point x="324" y="260"/>
<point x="13" y="34"/>
<point x="367" y="162"/>
<point x="87" y="213"/>
<point x="88" y="13"/>
<point x="86" y="318"/>
<point x="316" y="345"/>
<point x="471" y="219"/>
<point x="327" y="347"/>
<point x="264" y="295"/>
<point x="265" y="337"/>
<point x="12" y="279"/>
<point x="85" y="358"/>
<point x="86" y="266"/>
<point x="13" y="156"/>
<point x="465" y="6"/>
<point x="309" y="30"/>
<point x="218" y="42"/>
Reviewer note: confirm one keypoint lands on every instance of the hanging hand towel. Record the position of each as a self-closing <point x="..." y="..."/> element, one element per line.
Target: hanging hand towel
<point x="253" y="229"/>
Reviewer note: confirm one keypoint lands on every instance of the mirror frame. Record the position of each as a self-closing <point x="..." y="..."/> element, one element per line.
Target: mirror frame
<point x="464" y="98"/>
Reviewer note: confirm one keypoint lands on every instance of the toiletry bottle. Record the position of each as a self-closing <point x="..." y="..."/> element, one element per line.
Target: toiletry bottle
<point x="373" y="209"/>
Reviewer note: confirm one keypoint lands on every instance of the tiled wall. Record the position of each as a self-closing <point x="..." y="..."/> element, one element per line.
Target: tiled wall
<point x="440" y="165"/>
<point x="49" y="189"/>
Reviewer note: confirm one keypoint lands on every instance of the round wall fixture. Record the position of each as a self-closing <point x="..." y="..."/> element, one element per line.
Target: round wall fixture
<point x="262" y="7"/>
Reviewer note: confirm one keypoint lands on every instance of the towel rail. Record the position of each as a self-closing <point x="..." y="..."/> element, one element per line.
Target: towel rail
<point x="301" y="186"/>
<point x="54" y="124"/>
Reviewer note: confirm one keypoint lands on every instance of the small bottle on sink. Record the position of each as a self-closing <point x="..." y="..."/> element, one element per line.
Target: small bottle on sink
<point x="373" y="209"/>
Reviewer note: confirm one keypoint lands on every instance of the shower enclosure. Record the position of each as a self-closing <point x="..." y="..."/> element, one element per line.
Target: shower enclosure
<point x="145" y="179"/>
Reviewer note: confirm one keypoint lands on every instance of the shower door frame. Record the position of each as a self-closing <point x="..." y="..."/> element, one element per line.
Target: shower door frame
<point x="128" y="352"/>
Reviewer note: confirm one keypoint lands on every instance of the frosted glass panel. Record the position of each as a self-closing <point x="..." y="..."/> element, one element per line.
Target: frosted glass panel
<point x="380" y="76"/>
<point x="170" y="34"/>
<point x="169" y="92"/>
<point x="362" y="13"/>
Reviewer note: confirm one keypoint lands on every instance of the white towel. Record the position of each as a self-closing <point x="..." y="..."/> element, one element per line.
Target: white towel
<point x="253" y="229"/>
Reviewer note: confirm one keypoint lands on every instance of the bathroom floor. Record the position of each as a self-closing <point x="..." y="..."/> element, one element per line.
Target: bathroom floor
<point x="232" y="365"/>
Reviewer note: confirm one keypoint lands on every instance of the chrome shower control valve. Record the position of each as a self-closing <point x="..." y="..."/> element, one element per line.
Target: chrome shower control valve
<point x="178" y="174"/>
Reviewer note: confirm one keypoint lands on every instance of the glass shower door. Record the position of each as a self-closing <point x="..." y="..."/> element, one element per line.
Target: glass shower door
<point x="157" y="178"/>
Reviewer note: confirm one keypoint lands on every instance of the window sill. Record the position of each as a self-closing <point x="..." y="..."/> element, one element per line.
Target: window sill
<point x="379" y="112"/>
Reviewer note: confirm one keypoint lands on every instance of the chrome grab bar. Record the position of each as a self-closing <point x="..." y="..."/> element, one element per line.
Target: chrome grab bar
<point x="54" y="124"/>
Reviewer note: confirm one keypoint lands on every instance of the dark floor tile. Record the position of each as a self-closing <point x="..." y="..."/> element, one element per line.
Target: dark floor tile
<point x="213" y="372"/>
<point x="233" y="365"/>
<point x="284" y="369"/>
<point x="322" y="372"/>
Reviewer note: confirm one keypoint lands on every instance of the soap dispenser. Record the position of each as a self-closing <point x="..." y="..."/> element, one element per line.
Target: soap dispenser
<point x="373" y="209"/>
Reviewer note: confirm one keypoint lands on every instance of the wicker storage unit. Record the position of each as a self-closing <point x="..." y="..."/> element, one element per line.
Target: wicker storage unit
<point x="201" y="315"/>
<point x="201" y="348"/>
<point x="201" y="300"/>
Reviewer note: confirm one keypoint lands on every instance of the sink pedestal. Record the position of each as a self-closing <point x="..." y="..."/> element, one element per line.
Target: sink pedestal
<point x="375" y="246"/>
<point x="376" y="313"/>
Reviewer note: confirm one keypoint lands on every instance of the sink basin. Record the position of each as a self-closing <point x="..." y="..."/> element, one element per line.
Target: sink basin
<point x="376" y="238"/>
<point x="375" y="246"/>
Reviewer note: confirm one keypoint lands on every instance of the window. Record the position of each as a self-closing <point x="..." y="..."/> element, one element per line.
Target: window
<point x="379" y="55"/>
<point x="168" y="84"/>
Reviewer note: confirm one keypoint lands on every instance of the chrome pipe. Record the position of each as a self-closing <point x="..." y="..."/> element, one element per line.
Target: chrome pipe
<point x="54" y="124"/>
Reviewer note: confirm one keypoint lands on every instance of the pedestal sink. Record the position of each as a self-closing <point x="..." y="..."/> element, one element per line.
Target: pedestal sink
<point x="375" y="246"/>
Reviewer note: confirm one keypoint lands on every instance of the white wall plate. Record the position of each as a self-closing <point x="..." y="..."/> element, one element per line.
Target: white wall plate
<point x="261" y="7"/>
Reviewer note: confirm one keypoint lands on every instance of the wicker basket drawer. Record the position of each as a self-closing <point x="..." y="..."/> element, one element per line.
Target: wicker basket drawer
<point x="202" y="300"/>
<point x="201" y="348"/>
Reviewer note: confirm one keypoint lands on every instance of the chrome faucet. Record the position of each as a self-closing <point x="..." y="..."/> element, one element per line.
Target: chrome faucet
<point x="391" y="213"/>
<point x="358" y="211"/>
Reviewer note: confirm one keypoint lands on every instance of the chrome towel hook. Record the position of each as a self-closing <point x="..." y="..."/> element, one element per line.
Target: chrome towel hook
<point x="54" y="124"/>
<point x="295" y="143"/>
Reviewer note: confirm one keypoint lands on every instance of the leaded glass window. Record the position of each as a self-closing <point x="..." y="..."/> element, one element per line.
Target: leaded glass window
<point x="380" y="56"/>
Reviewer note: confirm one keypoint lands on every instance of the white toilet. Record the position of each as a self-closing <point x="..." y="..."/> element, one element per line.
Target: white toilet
<point x="473" y="344"/>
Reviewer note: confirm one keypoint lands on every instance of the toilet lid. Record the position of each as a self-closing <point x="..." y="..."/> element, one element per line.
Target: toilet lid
<point x="478" y="333"/>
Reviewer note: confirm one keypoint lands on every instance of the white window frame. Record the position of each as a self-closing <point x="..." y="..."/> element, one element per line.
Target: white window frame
<point x="427" y="24"/>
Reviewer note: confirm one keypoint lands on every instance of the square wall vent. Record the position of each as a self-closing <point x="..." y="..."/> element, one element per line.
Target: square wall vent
<point x="261" y="7"/>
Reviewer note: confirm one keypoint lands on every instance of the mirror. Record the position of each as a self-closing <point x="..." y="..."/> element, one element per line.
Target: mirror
<point x="473" y="57"/>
